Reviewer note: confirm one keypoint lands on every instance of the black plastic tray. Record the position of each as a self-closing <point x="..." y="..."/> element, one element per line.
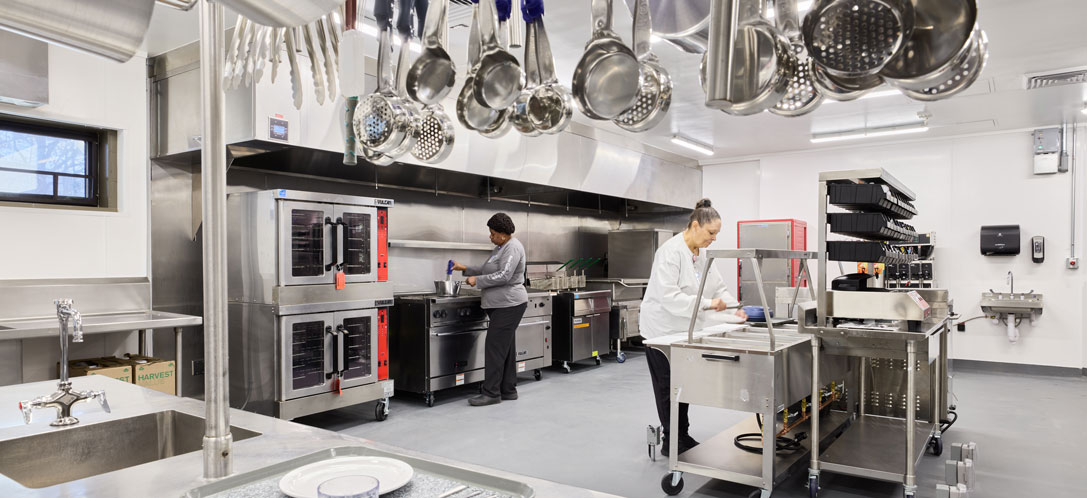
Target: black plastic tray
<point x="870" y="197"/>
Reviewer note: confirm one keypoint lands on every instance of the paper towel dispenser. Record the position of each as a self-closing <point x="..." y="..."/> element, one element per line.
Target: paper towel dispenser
<point x="1000" y="240"/>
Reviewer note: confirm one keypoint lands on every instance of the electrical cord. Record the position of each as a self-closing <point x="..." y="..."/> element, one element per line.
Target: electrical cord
<point x="782" y="444"/>
<point x="946" y="424"/>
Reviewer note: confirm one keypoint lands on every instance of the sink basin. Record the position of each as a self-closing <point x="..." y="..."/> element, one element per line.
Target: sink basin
<point x="63" y="455"/>
<point x="1019" y="303"/>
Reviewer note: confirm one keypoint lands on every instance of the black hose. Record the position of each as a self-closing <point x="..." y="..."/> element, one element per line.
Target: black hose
<point x="946" y="424"/>
<point x="782" y="444"/>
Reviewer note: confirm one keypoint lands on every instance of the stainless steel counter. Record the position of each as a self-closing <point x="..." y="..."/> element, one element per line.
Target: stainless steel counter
<point x="277" y="441"/>
<point x="97" y="324"/>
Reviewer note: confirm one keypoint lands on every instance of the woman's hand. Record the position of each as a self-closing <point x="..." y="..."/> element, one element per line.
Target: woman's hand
<point x="718" y="305"/>
<point x="740" y="313"/>
<point x="471" y="281"/>
<point x="459" y="267"/>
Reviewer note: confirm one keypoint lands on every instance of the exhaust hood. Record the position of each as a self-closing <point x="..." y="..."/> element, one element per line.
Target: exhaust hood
<point x="265" y="131"/>
<point x="24" y="70"/>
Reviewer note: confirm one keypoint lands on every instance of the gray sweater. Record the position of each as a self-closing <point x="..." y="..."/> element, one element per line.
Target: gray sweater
<point x="502" y="277"/>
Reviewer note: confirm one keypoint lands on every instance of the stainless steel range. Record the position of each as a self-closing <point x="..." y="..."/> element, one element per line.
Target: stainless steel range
<point x="582" y="328"/>
<point x="533" y="340"/>
<point x="437" y="342"/>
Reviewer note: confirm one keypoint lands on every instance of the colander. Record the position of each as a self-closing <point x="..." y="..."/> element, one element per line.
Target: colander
<point x="655" y="92"/>
<point x="855" y="38"/>
<point x="843" y="89"/>
<point x="434" y="136"/>
<point x="937" y="53"/>
<point x="382" y="122"/>
<point x="957" y="76"/>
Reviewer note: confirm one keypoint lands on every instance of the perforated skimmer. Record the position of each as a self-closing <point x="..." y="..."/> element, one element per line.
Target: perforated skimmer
<point x="857" y="37"/>
<point x="801" y="97"/>
<point x="435" y="136"/>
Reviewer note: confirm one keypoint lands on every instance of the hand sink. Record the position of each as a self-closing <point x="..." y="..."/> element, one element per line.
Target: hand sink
<point x="1019" y="303"/>
<point x="62" y="455"/>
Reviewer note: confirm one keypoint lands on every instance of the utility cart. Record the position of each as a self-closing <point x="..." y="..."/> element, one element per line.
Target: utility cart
<point x="764" y="371"/>
<point x="897" y="340"/>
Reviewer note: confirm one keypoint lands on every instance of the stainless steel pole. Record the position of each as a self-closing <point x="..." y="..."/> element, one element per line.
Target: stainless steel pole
<point x="910" y="481"/>
<point x="217" y="439"/>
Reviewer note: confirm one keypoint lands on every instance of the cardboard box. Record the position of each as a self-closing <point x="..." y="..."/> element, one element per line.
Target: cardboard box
<point x="111" y="367"/>
<point x="153" y="373"/>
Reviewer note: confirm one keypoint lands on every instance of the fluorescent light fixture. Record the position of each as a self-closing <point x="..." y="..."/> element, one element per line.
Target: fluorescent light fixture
<point x="692" y="145"/>
<point x="838" y="136"/>
<point x="890" y="92"/>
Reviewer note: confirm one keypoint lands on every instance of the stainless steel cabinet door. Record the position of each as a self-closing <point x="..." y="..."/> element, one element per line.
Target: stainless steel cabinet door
<point x="306" y="356"/>
<point x="530" y="337"/>
<point x="358" y="242"/>
<point x="601" y="333"/>
<point x="456" y="351"/>
<point x="358" y="349"/>
<point x="305" y="243"/>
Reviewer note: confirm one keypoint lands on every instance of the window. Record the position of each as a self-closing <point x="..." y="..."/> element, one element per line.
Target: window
<point x="48" y="164"/>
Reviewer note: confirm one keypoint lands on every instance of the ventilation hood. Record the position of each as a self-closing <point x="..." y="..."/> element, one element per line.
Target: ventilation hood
<point x="582" y="160"/>
<point x="24" y="70"/>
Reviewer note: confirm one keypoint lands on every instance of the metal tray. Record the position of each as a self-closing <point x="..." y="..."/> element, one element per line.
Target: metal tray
<point x="431" y="478"/>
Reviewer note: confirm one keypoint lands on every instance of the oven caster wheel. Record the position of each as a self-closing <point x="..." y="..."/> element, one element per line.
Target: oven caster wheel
<point x="566" y="367"/>
<point x="936" y="445"/>
<point x="537" y="374"/>
<point x="621" y="357"/>
<point x="672" y="483"/>
<point x="381" y="411"/>
<point x="813" y="486"/>
<point x="597" y="360"/>
<point x="429" y="399"/>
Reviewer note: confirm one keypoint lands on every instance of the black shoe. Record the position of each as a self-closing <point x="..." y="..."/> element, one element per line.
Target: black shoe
<point x="484" y="400"/>
<point x="688" y="442"/>
<point x="509" y="397"/>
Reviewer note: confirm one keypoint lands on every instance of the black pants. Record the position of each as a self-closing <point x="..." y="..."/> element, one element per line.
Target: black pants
<point x="383" y="12"/>
<point x="661" y="374"/>
<point x="500" y="373"/>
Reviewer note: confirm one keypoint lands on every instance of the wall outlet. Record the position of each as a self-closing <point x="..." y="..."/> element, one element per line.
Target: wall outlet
<point x="961" y="327"/>
<point x="1071" y="263"/>
<point x="197" y="367"/>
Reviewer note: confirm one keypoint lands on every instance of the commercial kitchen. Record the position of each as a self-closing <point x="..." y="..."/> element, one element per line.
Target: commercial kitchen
<point x="542" y="248"/>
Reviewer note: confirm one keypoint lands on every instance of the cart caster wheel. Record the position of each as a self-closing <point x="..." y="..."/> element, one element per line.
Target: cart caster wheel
<point x="813" y="487"/>
<point x="429" y="399"/>
<point x="379" y="411"/>
<point x="667" y="486"/>
<point x="621" y="357"/>
<point x="566" y="367"/>
<point x="936" y="446"/>
<point x="597" y="360"/>
<point x="537" y="374"/>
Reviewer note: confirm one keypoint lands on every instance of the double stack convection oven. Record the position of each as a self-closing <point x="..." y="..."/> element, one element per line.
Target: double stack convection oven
<point x="309" y="297"/>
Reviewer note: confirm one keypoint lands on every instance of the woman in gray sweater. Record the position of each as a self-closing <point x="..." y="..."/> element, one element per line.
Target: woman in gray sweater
<point x="502" y="281"/>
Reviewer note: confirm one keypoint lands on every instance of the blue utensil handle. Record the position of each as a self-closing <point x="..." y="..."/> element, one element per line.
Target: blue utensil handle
<point x="505" y="7"/>
<point x="449" y="270"/>
<point x="531" y="10"/>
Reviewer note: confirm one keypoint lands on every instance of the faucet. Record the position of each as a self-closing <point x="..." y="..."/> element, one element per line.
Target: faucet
<point x="1011" y="282"/>
<point x="64" y="397"/>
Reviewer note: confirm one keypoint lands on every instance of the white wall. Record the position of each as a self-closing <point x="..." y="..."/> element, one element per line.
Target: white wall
<point x="961" y="184"/>
<point x="735" y="193"/>
<point x="57" y="243"/>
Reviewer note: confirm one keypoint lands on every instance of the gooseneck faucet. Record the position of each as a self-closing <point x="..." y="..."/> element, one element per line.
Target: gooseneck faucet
<point x="64" y="397"/>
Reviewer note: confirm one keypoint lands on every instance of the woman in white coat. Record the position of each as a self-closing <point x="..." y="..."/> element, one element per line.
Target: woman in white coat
<point x="670" y="299"/>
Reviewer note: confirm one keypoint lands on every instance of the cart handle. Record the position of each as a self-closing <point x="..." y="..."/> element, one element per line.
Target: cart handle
<point x="721" y="357"/>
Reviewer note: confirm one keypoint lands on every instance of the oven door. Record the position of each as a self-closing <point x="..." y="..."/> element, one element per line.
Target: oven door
<point x="305" y="243"/>
<point x="307" y="359"/>
<point x="457" y="349"/>
<point x="358" y="242"/>
<point x="358" y="347"/>
<point x="531" y="334"/>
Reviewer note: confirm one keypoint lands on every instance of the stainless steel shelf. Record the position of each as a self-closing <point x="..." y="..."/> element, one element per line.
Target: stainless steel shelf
<point x="98" y="324"/>
<point x="761" y="253"/>
<point x="429" y="244"/>
<point x="720" y="458"/>
<point x="875" y="447"/>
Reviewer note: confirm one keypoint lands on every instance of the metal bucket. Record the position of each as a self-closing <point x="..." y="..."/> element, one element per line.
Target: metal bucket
<point x="447" y="288"/>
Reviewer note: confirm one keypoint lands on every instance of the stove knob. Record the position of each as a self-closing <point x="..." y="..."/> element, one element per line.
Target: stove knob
<point x="444" y="314"/>
<point x="437" y="314"/>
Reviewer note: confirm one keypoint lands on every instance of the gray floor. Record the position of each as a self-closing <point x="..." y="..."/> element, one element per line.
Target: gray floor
<point x="587" y="429"/>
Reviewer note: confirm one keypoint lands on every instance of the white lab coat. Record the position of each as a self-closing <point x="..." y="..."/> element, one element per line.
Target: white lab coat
<point x="673" y="286"/>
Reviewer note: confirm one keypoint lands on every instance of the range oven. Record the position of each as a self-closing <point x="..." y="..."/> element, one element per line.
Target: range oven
<point x="309" y="299"/>
<point x="582" y="326"/>
<point x="533" y="340"/>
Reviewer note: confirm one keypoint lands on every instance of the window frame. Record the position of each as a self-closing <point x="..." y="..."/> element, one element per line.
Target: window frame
<point x="93" y="139"/>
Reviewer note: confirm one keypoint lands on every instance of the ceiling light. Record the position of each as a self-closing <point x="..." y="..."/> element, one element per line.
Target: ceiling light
<point x="837" y="136"/>
<point x="692" y="145"/>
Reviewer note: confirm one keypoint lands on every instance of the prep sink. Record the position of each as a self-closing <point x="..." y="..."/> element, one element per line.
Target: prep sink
<point x="1018" y="303"/>
<point x="62" y="455"/>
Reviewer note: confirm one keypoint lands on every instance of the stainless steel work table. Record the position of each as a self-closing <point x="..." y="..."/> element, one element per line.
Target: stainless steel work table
<point x="108" y="323"/>
<point x="277" y="442"/>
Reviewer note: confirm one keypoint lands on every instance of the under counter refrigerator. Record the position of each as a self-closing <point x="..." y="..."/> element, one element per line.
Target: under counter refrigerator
<point x="309" y="302"/>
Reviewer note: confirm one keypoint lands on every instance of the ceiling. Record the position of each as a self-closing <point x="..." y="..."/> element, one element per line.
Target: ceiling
<point x="1024" y="37"/>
